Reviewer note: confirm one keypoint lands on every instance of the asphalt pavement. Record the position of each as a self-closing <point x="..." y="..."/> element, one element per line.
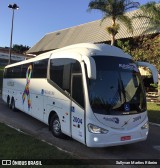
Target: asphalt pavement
<point x="149" y="149"/>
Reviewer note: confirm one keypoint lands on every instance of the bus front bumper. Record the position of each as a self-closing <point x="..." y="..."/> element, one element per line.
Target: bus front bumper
<point x="114" y="138"/>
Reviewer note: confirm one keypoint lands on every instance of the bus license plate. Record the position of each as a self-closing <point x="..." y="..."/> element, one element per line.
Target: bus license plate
<point x="125" y="138"/>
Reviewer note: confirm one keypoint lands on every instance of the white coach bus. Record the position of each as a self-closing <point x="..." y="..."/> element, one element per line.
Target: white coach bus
<point x="90" y="92"/>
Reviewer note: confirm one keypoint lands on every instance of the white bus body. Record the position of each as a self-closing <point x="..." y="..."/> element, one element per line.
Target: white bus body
<point x="90" y="92"/>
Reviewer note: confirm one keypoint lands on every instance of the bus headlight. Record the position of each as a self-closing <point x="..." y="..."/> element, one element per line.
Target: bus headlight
<point x="145" y="126"/>
<point x="96" y="130"/>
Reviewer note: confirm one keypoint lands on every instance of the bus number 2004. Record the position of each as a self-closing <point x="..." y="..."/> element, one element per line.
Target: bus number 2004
<point x="77" y="120"/>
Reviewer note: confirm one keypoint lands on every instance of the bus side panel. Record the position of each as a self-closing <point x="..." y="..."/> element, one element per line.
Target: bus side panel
<point x="12" y="88"/>
<point x="4" y="91"/>
<point x="42" y="99"/>
<point x="55" y="101"/>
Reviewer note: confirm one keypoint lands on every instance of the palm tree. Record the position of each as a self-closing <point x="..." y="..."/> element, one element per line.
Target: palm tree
<point x="116" y="10"/>
<point x="151" y="12"/>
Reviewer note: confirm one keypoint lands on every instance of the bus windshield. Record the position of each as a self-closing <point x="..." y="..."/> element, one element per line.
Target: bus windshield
<point x="118" y="88"/>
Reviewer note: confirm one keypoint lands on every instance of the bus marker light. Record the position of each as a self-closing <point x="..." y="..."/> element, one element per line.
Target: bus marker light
<point x="125" y="138"/>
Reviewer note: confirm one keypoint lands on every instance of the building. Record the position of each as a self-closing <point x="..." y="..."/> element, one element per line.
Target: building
<point x="15" y="57"/>
<point x="94" y="32"/>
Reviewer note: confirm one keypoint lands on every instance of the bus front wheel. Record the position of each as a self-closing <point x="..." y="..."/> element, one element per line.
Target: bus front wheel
<point x="55" y="126"/>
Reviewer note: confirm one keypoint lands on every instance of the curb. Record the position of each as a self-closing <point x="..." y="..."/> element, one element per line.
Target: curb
<point x="155" y="124"/>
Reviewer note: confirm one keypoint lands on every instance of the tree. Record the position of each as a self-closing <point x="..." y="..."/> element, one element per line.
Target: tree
<point x="20" y="48"/>
<point x="151" y="12"/>
<point x="144" y="48"/>
<point x="116" y="10"/>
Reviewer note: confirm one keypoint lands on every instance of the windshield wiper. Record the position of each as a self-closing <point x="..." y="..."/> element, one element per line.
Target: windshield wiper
<point x="123" y="90"/>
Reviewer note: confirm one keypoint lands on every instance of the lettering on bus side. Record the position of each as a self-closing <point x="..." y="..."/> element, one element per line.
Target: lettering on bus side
<point x="114" y="119"/>
<point x="77" y="120"/>
<point x="136" y="118"/>
<point x="10" y="83"/>
<point x="46" y="92"/>
<point x="130" y="67"/>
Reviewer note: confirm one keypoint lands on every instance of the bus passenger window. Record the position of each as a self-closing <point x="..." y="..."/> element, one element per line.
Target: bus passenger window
<point x="9" y="72"/>
<point x="60" y="72"/>
<point x="40" y="69"/>
<point x="17" y="71"/>
<point x="56" y="72"/>
<point x="24" y="70"/>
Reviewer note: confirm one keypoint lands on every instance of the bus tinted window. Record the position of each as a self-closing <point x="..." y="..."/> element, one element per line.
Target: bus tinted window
<point x="24" y="70"/>
<point x="40" y="69"/>
<point x="60" y="72"/>
<point x="76" y="67"/>
<point x="56" y="72"/>
<point x="9" y="73"/>
<point x="16" y="72"/>
<point x="12" y="72"/>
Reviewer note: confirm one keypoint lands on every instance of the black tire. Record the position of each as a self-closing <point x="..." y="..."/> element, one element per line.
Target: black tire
<point x="55" y="126"/>
<point x="8" y="101"/>
<point x="13" y="105"/>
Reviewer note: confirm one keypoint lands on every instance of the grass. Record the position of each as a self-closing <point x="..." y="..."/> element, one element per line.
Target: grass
<point x="1" y="70"/>
<point x="16" y="145"/>
<point x="153" y="112"/>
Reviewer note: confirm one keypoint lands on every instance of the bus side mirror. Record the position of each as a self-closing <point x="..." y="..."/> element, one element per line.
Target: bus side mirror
<point x="91" y="67"/>
<point x="152" y="69"/>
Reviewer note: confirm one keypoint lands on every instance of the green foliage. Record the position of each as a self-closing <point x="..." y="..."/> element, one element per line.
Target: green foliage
<point x="16" y="145"/>
<point x="144" y="48"/>
<point x="1" y="71"/>
<point x="113" y="30"/>
<point x="125" y="46"/>
<point x="20" y="48"/>
<point x="154" y="85"/>
<point x="151" y="12"/>
<point x="116" y="10"/>
<point x="1" y="68"/>
<point x="153" y="112"/>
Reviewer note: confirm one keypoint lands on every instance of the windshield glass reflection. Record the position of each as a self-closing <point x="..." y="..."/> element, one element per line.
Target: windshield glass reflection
<point x="118" y="88"/>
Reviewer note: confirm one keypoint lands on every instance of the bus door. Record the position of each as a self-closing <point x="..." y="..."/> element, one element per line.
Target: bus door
<point x="77" y="108"/>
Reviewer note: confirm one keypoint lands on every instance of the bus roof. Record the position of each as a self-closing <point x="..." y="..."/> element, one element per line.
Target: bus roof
<point x="86" y="49"/>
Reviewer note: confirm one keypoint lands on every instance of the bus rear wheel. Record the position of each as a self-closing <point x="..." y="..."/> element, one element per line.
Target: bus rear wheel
<point x="13" y="105"/>
<point x="55" y="126"/>
<point x="8" y="101"/>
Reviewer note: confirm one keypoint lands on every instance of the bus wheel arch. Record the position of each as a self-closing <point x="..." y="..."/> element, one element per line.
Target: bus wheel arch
<point x="55" y="125"/>
<point x="50" y="116"/>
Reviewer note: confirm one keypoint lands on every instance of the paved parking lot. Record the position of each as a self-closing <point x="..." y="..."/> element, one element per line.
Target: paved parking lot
<point x="149" y="149"/>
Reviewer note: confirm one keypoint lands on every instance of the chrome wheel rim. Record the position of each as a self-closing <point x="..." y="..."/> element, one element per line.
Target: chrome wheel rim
<point x="56" y="126"/>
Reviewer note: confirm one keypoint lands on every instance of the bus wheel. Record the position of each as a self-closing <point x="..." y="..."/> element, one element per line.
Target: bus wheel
<point x="8" y="101"/>
<point x="13" y="104"/>
<point x="55" y="126"/>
